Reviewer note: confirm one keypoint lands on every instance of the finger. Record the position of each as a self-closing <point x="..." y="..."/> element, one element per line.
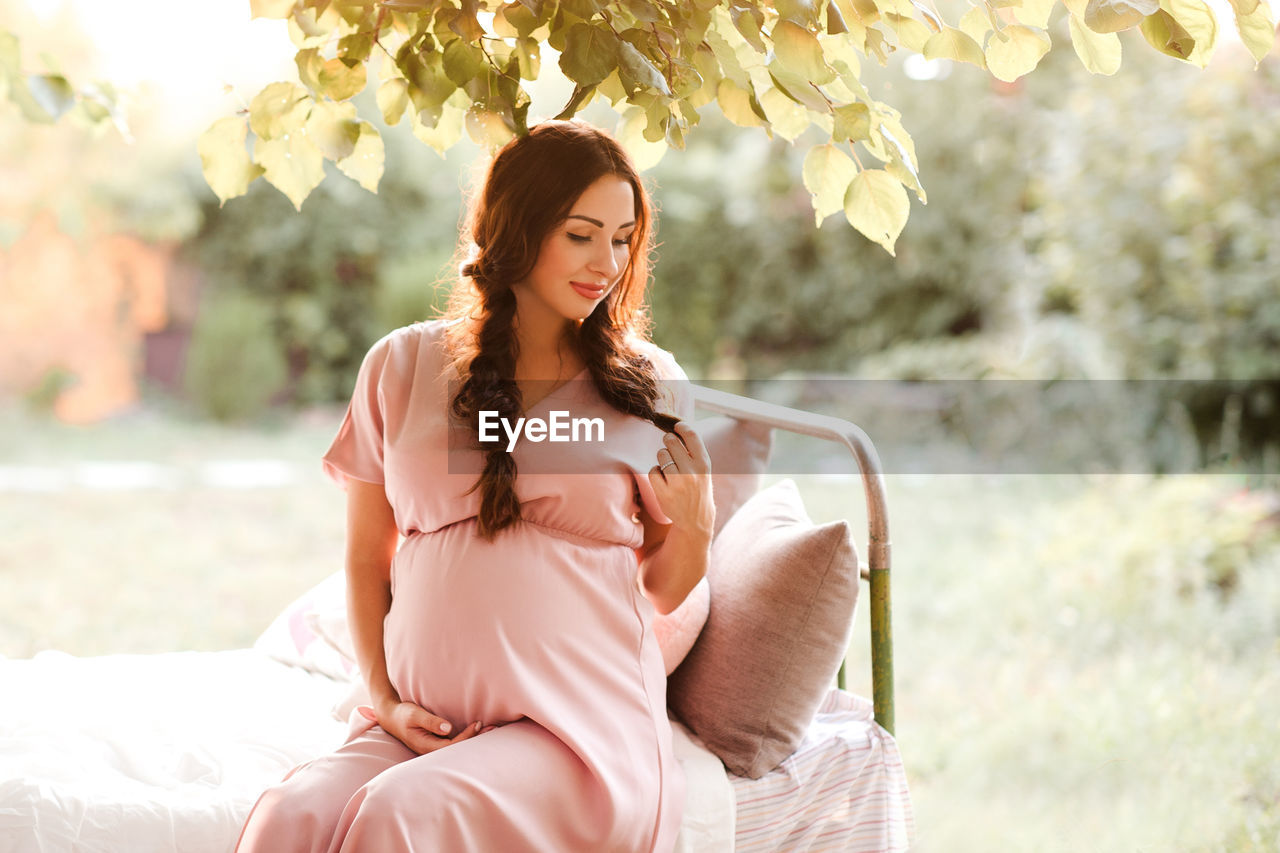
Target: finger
<point x="679" y="453"/>
<point x="469" y="732"/>
<point x="692" y="441"/>
<point x="427" y="721"/>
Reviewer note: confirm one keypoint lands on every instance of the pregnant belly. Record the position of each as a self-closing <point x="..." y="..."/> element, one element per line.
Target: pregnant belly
<point x="517" y="627"/>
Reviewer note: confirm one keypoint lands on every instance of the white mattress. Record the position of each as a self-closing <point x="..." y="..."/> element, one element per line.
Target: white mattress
<point x="169" y="752"/>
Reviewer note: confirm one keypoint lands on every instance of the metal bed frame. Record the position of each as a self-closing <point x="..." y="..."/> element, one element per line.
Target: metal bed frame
<point x="875" y="570"/>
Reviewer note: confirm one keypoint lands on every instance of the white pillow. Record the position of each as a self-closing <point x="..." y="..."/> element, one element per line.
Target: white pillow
<point x="292" y="639"/>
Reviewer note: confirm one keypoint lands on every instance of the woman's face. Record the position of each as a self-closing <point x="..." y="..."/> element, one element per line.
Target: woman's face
<point x="583" y="257"/>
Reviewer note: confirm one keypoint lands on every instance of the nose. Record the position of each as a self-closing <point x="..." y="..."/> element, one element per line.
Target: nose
<point x="604" y="260"/>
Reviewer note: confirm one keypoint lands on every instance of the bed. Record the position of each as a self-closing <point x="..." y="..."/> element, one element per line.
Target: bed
<point x="168" y="752"/>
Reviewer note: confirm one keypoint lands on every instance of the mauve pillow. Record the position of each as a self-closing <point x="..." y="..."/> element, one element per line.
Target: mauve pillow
<point x="782" y="598"/>
<point x="739" y="452"/>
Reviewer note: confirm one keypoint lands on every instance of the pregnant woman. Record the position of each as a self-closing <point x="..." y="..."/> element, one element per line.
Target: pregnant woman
<point x="501" y="595"/>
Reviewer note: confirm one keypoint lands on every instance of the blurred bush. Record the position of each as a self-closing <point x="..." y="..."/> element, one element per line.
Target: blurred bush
<point x="235" y="366"/>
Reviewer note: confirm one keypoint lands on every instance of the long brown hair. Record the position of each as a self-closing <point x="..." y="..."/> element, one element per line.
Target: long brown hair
<point x="529" y="189"/>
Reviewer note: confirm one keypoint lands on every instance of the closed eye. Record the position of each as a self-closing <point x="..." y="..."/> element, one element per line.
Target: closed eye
<point x="582" y="238"/>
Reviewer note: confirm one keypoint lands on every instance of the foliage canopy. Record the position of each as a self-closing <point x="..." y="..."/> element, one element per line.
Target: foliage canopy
<point x="450" y="66"/>
<point x="784" y="66"/>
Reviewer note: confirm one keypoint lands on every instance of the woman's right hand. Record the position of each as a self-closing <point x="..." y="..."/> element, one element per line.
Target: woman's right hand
<point x="419" y="729"/>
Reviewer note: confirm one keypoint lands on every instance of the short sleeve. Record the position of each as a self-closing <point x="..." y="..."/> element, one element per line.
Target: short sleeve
<point x="675" y="391"/>
<point x="356" y="451"/>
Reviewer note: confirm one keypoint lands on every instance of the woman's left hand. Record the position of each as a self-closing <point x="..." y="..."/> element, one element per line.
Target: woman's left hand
<point x="682" y="481"/>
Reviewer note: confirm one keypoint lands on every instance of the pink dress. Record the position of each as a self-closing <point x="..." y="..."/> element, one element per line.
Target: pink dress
<point x="543" y="631"/>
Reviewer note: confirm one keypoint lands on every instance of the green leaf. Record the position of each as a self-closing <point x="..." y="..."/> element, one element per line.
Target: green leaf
<point x="827" y="172"/>
<point x="291" y="164"/>
<point x="52" y="92"/>
<point x="800" y="52"/>
<point x="1112" y="16"/>
<point x="1015" y="51"/>
<point x="366" y="161"/>
<point x="355" y="47"/>
<point x="340" y="82"/>
<point x="590" y="53"/>
<point x="462" y="62"/>
<point x="636" y="71"/>
<point x="270" y="8"/>
<point x="1256" y="29"/>
<point x="277" y="107"/>
<point x="955" y="45"/>
<point x="1100" y="52"/>
<point x="393" y="99"/>
<point x="333" y="128"/>
<point x="529" y="58"/>
<point x="877" y="205"/>
<point x="429" y="87"/>
<point x="448" y="127"/>
<point x="852" y="122"/>
<point x="224" y="160"/>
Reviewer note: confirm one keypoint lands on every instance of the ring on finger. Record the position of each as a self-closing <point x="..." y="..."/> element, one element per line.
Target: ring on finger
<point x="664" y="468"/>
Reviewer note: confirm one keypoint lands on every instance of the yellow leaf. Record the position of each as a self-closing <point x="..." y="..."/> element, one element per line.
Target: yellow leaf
<point x="333" y="128"/>
<point x="911" y="32"/>
<point x="1198" y="20"/>
<point x="630" y="134"/>
<point x="487" y="128"/>
<point x="786" y="117"/>
<point x="270" y="8"/>
<point x="955" y="45"/>
<point x="1111" y="16"/>
<point x="827" y="172"/>
<point x="877" y="205"/>
<point x="291" y="164"/>
<point x="1100" y="52"/>
<point x="735" y="103"/>
<point x="1035" y="13"/>
<point x="975" y="23"/>
<point x="278" y="107"/>
<point x="1256" y="28"/>
<point x="1163" y="32"/>
<point x="448" y="128"/>
<point x="340" y="82"/>
<point x="1015" y="51"/>
<point x="365" y="163"/>
<point x="393" y="99"/>
<point x="800" y="52"/>
<point x="224" y="160"/>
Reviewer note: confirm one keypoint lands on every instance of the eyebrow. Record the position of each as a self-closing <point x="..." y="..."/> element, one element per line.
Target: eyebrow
<point x="596" y="222"/>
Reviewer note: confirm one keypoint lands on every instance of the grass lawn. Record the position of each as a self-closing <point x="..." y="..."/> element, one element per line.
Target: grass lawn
<point x="1082" y="663"/>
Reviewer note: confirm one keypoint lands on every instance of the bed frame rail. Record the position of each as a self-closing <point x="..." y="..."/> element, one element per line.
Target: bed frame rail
<point x="876" y="568"/>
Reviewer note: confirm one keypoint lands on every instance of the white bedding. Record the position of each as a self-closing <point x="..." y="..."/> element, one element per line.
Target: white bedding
<point x="169" y="752"/>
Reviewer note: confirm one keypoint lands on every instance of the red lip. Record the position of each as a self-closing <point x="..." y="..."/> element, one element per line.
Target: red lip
<point x="588" y="291"/>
